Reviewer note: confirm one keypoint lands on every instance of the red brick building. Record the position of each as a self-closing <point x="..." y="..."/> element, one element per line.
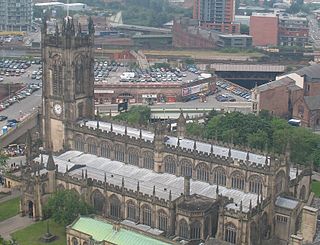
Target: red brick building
<point x="264" y="29"/>
<point x="151" y="91"/>
<point x="295" y="95"/>
<point x="216" y="15"/>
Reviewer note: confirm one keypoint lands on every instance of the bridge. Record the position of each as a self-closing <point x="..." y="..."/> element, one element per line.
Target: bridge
<point x="14" y="134"/>
<point x="145" y="29"/>
<point x="246" y="75"/>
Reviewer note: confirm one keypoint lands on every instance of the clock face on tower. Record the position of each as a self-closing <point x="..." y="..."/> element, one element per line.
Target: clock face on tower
<point x="57" y="108"/>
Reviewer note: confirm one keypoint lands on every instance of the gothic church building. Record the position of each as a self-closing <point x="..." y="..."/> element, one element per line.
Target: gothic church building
<point x="165" y="184"/>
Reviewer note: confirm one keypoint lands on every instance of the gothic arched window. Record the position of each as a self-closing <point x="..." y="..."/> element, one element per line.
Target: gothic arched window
<point x="92" y="146"/>
<point x="131" y="211"/>
<point x="74" y="241"/>
<point x="105" y="149"/>
<point x="219" y="176"/>
<point x="57" y="78"/>
<point x="202" y="172"/>
<point x="115" y="207"/>
<point x="162" y="220"/>
<point x="80" y="75"/>
<point x="230" y="233"/>
<point x="186" y="167"/>
<point x="237" y="180"/>
<point x="133" y="156"/>
<point x="119" y="152"/>
<point x="98" y="200"/>
<point x="183" y="229"/>
<point x="79" y="144"/>
<point x="170" y="165"/>
<point x="279" y="181"/>
<point x="146" y="215"/>
<point x="148" y="160"/>
<point x="195" y="230"/>
<point x="255" y="184"/>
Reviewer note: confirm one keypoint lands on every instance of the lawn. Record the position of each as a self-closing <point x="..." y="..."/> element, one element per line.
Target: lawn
<point x="32" y="234"/>
<point x="316" y="188"/>
<point x="9" y="208"/>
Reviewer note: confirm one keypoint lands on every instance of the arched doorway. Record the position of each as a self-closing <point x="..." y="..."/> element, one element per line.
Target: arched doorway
<point x="30" y="209"/>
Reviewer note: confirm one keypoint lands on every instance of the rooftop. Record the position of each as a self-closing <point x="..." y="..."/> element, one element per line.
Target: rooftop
<point x="287" y="203"/>
<point x="312" y="72"/>
<point x="97" y="167"/>
<point x="252" y="68"/>
<point x="285" y="81"/>
<point x="101" y="230"/>
<point x="184" y="143"/>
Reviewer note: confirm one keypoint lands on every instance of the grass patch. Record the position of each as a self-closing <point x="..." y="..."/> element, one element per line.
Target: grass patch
<point x="31" y="234"/>
<point x="9" y="208"/>
<point x="315" y="187"/>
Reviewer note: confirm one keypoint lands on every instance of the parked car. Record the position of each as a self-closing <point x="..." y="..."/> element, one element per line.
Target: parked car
<point x="3" y="118"/>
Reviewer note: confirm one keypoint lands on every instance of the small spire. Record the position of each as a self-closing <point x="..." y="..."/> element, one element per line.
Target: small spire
<point x="211" y="150"/>
<point x="250" y="205"/>
<point x="50" y="163"/>
<point x="138" y="187"/>
<point x="122" y="184"/>
<point x="140" y="134"/>
<point x="241" y="206"/>
<point x="111" y="127"/>
<point x="67" y="168"/>
<point x="86" y="175"/>
<point x="266" y="161"/>
<point x="105" y="177"/>
<point x="229" y="153"/>
<point x="82" y="174"/>
<point x="98" y="118"/>
<point x="297" y="171"/>
<point x="195" y="145"/>
<point x="217" y="190"/>
<point x="247" y="157"/>
<point x="125" y="130"/>
<point x="170" y="196"/>
<point x="178" y="143"/>
<point x="154" y="190"/>
<point x="41" y="160"/>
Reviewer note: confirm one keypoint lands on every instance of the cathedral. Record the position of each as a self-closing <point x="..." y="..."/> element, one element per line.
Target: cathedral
<point x="164" y="183"/>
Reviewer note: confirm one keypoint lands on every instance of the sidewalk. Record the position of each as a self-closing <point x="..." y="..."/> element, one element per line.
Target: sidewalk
<point x="13" y="224"/>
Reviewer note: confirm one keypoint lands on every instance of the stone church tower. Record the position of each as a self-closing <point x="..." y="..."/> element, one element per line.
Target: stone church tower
<point x="68" y="93"/>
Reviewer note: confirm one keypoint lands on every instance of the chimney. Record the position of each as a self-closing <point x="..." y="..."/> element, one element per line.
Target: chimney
<point x="187" y="186"/>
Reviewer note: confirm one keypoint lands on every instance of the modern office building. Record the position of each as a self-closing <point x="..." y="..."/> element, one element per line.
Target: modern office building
<point x="15" y="15"/>
<point x="217" y="15"/>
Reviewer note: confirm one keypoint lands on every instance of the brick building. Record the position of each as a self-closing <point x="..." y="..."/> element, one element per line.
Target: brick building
<point x="294" y="95"/>
<point x="293" y="31"/>
<point x="264" y="29"/>
<point x="216" y="15"/>
<point x="151" y="92"/>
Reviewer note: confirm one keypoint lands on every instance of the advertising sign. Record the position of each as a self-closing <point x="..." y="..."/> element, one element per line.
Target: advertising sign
<point x="195" y="89"/>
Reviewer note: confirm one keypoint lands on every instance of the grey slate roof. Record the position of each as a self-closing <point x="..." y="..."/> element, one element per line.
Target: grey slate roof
<point x="285" y="81"/>
<point x="313" y="102"/>
<point x="287" y="203"/>
<point x="97" y="166"/>
<point x="312" y="72"/>
<point x="184" y="143"/>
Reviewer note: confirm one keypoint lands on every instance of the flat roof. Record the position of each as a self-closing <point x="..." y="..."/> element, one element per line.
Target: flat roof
<point x="101" y="230"/>
<point x="287" y="203"/>
<point x="251" y="68"/>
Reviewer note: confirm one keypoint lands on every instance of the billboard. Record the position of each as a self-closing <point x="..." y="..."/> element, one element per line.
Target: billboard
<point x="195" y="89"/>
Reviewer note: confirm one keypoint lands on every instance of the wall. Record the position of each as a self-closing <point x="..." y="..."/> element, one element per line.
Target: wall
<point x="258" y="27"/>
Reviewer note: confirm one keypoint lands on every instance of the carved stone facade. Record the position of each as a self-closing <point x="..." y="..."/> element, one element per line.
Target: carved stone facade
<point x="229" y="194"/>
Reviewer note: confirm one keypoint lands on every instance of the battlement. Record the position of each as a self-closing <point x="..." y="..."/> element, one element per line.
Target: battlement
<point x="67" y="36"/>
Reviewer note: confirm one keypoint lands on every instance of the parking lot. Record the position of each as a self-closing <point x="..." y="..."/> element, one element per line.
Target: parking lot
<point x="231" y="92"/>
<point x="114" y="73"/>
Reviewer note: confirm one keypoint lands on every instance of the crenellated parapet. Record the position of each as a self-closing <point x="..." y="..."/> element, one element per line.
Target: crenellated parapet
<point x="67" y="35"/>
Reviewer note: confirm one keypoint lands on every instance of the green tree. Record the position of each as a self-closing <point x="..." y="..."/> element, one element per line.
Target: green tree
<point x="3" y="158"/>
<point x="135" y="115"/>
<point x="64" y="207"/>
<point x="244" y="29"/>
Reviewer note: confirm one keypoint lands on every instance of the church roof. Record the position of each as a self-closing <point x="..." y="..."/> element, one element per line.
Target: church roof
<point x="184" y="143"/>
<point x="101" y="230"/>
<point x="97" y="166"/>
<point x="287" y="203"/>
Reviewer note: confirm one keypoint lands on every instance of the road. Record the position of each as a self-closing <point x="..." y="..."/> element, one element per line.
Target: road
<point x="314" y="32"/>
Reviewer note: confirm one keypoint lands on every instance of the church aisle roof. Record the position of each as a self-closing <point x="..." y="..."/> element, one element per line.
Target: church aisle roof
<point x="184" y="143"/>
<point x="97" y="167"/>
<point x="101" y="230"/>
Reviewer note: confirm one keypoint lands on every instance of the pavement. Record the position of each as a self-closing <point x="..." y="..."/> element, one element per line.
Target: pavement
<point x="13" y="224"/>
